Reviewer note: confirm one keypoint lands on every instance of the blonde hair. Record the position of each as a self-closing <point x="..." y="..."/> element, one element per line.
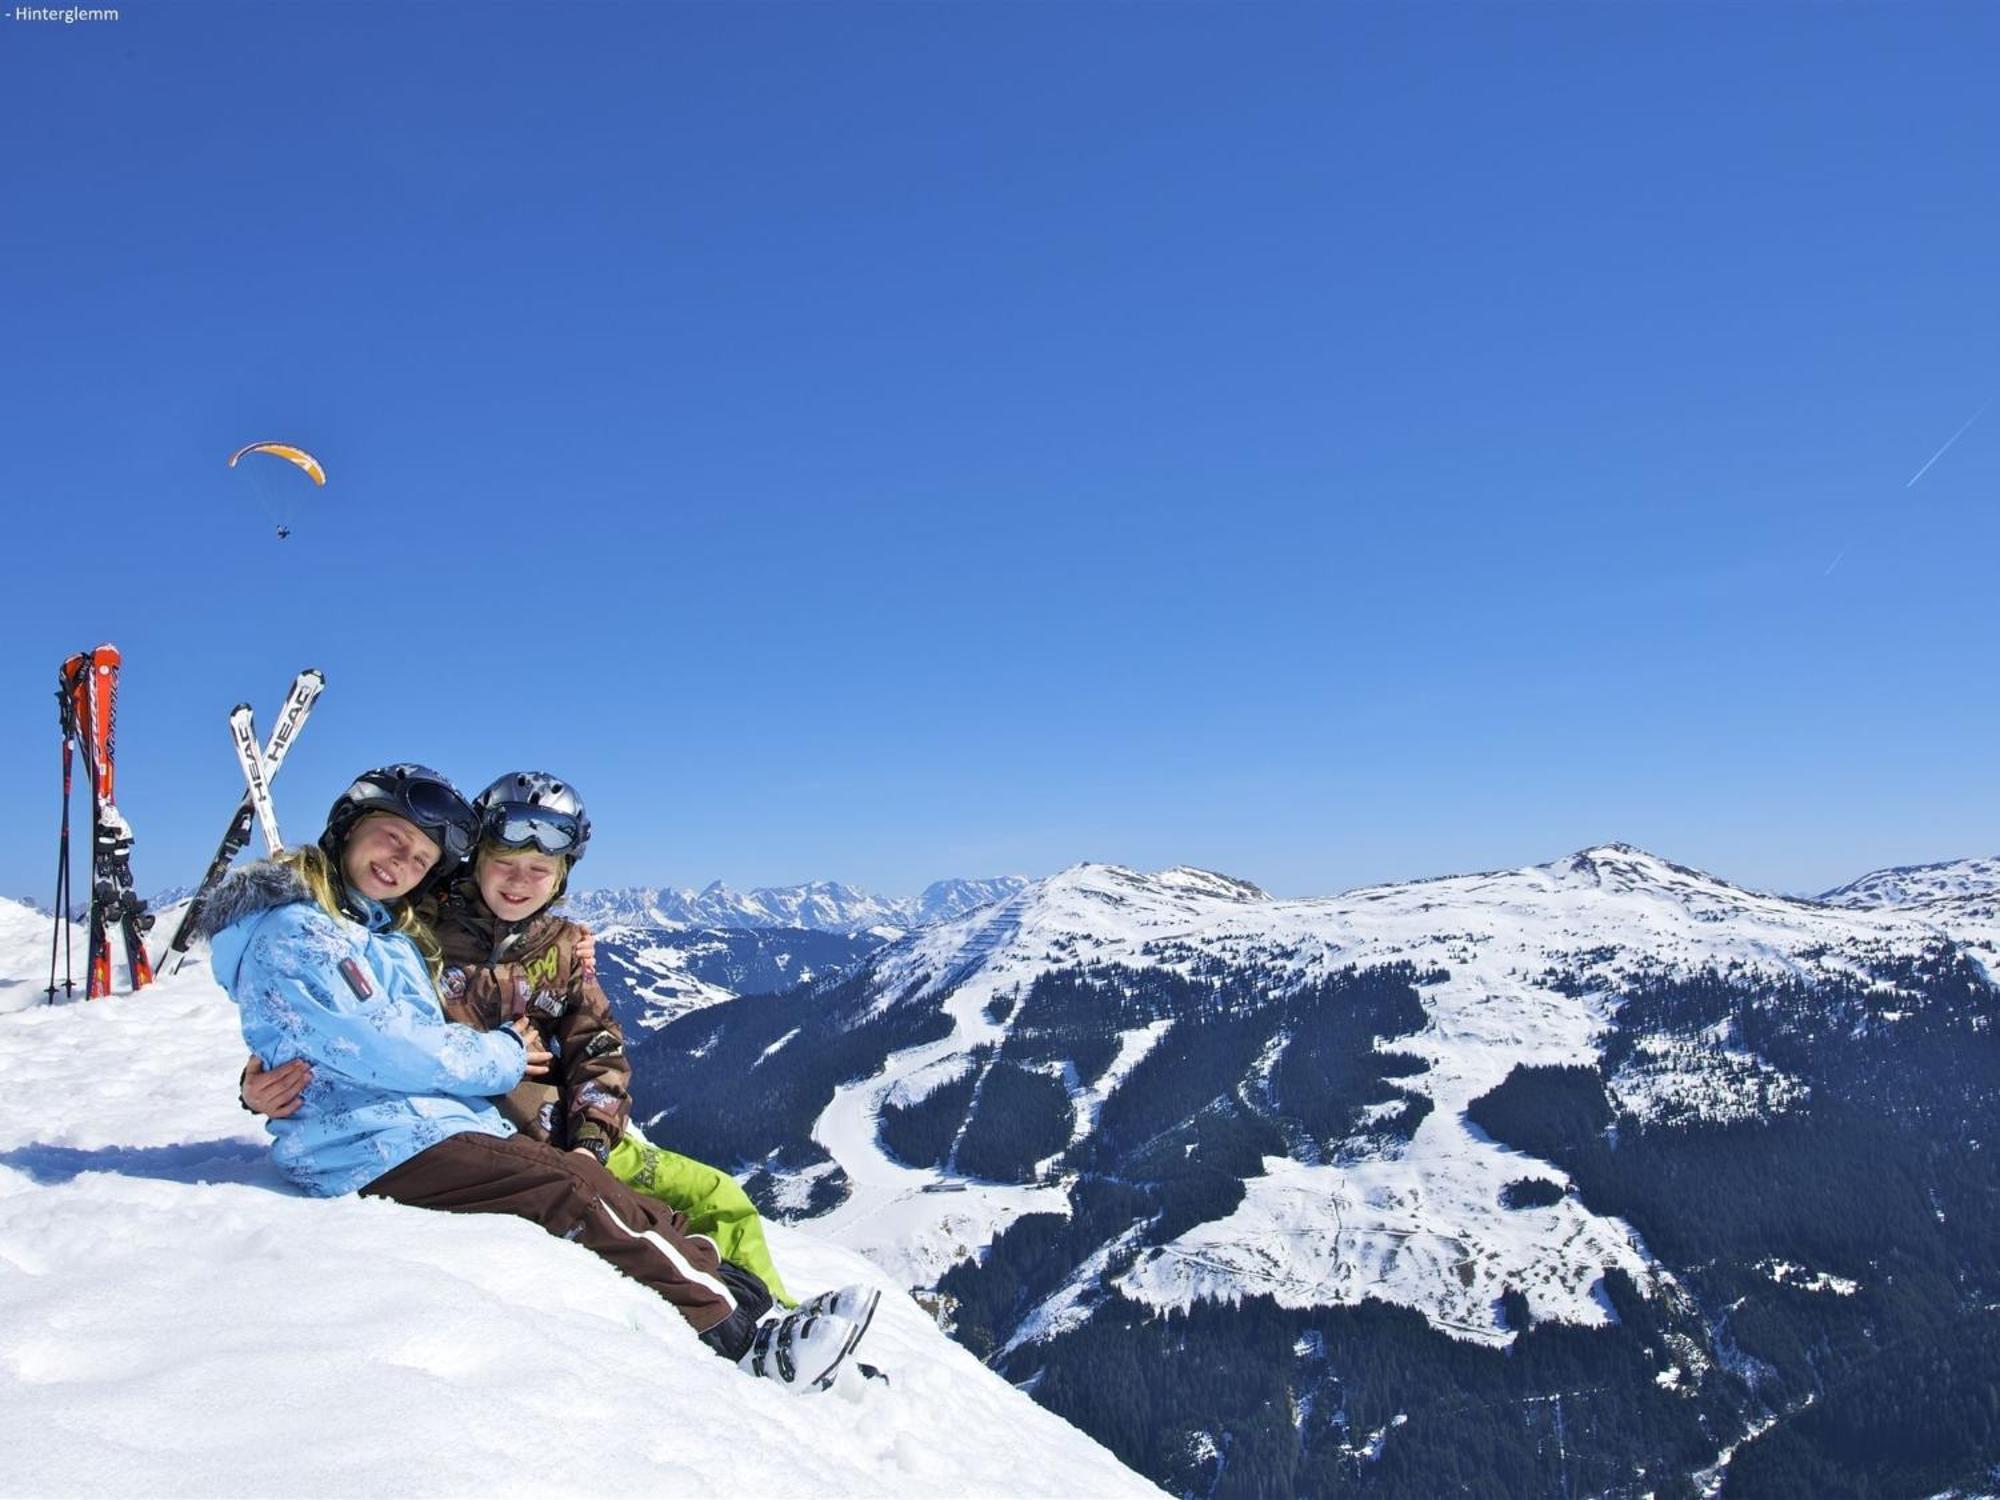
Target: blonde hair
<point x="311" y="864"/>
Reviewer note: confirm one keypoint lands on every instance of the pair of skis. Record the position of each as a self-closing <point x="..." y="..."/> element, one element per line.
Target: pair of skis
<point x="87" y="700"/>
<point x="259" y="767"/>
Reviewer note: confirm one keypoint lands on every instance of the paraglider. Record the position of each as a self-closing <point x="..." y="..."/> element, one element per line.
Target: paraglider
<point x="304" y="460"/>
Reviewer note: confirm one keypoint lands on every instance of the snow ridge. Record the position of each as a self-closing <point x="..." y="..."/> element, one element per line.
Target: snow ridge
<point x="1915" y="885"/>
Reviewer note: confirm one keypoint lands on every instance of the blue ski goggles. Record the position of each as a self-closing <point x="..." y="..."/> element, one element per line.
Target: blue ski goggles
<point x="518" y="825"/>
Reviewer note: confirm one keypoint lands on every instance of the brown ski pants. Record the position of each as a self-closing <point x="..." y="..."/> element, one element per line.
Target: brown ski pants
<point x="573" y="1197"/>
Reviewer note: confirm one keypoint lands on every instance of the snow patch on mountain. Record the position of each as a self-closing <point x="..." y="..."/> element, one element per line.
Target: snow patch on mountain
<point x="655" y="975"/>
<point x="919" y="1084"/>
<point x="1788" y="1273"/>
<point x="662" y="983"/>
<point x="1673" y="1080"/>
<point x="1071" y="1303"/>
<point x="1133" y="1045"/>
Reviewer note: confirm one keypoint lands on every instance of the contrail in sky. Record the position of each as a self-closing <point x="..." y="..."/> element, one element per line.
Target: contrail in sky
<point x="1947" y="444"/>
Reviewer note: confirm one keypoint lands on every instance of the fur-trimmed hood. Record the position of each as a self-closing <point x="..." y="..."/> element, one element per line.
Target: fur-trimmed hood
<point x="257" y="887"/>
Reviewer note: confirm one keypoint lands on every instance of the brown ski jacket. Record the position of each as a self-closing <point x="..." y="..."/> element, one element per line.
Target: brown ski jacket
<point x="496" y="972"/>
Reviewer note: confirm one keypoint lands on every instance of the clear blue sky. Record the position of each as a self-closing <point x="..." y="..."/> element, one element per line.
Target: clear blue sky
<point x="1327" y="443"/>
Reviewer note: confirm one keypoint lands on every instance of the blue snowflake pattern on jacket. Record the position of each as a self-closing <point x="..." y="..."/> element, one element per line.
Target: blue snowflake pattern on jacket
<point x="391" y="1076"/>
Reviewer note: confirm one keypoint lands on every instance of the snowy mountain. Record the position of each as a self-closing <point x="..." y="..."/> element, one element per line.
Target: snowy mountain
<point x="666" y="953"/>
<point x="1914" y="885"/>
<point x="180" y="1322"/>
<point x="1118" y="1108"/>
<point x="825" y="906"/>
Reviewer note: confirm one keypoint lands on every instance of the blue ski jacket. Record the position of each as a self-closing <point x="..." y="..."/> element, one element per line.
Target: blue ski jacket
<point x="391" y="1076"/>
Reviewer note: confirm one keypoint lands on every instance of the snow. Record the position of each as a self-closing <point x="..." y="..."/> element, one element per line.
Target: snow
<point x="1671" y="1080"/>
<point x="659" y="977"/>
<point x="778" y="1044"/>
<point x="1787" y="1273"/>
<point x="1913" y="885"/>
<point x="180" y="1322"/>
<point x="1133" y="1046"/>
<point x="1070" y="1304"/>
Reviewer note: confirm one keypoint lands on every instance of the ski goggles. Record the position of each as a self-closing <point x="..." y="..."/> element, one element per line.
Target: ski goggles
<point x="425" y="799"/>
<point x="519" y="825"/>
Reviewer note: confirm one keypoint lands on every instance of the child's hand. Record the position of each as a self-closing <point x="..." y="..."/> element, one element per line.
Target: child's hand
<point x="539" y="1057"/>
<point x="275" y="1092"/>
<point x="586" y="952"/>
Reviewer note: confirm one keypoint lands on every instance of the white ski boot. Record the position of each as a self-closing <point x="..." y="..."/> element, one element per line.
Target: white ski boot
<point x="803" y="1350"/>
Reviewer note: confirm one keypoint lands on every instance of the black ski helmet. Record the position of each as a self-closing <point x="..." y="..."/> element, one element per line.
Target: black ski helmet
<point x="418" y="795"/>
<point x="532" y="809"/>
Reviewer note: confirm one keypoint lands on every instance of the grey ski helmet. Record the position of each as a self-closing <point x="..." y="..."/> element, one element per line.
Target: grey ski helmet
<point x="415" y="793"/>
<point x="532" y="809"/>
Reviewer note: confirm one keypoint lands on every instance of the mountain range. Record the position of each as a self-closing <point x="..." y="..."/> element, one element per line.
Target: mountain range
<point x="822" y="905"/>
<point x="1666" y="1179"/>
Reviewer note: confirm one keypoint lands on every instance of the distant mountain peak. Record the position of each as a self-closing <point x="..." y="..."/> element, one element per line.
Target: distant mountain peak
<point x="1211" y="883"/>
<point x="1913" y="885"/>
<point x="1628" y="864"/>
<point x="1177" y="879"/>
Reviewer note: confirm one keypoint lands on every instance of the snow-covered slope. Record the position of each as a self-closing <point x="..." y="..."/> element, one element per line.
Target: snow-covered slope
<point x="1914" y="885"/>
<point x="657" y="974"/>
<point x="1522" y="964"/>
<point x="178" y="1322"/>
<point x="824" y="905"/>
<point x="24" y="954"/>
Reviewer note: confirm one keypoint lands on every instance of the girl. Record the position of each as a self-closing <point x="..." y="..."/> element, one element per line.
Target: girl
<point x="330" y="966"/>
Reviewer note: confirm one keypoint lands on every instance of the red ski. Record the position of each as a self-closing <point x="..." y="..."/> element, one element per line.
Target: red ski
<point x="89" y="698"/>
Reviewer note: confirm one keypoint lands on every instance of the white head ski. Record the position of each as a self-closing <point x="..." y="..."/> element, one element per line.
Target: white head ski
<point x="305" y="691"/>
<point x="243" y="730"/>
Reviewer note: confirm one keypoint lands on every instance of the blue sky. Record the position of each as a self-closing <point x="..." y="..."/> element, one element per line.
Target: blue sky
<point x="1326" y="443"/>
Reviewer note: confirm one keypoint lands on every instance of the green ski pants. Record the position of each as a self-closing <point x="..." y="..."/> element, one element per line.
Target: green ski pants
<point x="714" y="1202"/>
